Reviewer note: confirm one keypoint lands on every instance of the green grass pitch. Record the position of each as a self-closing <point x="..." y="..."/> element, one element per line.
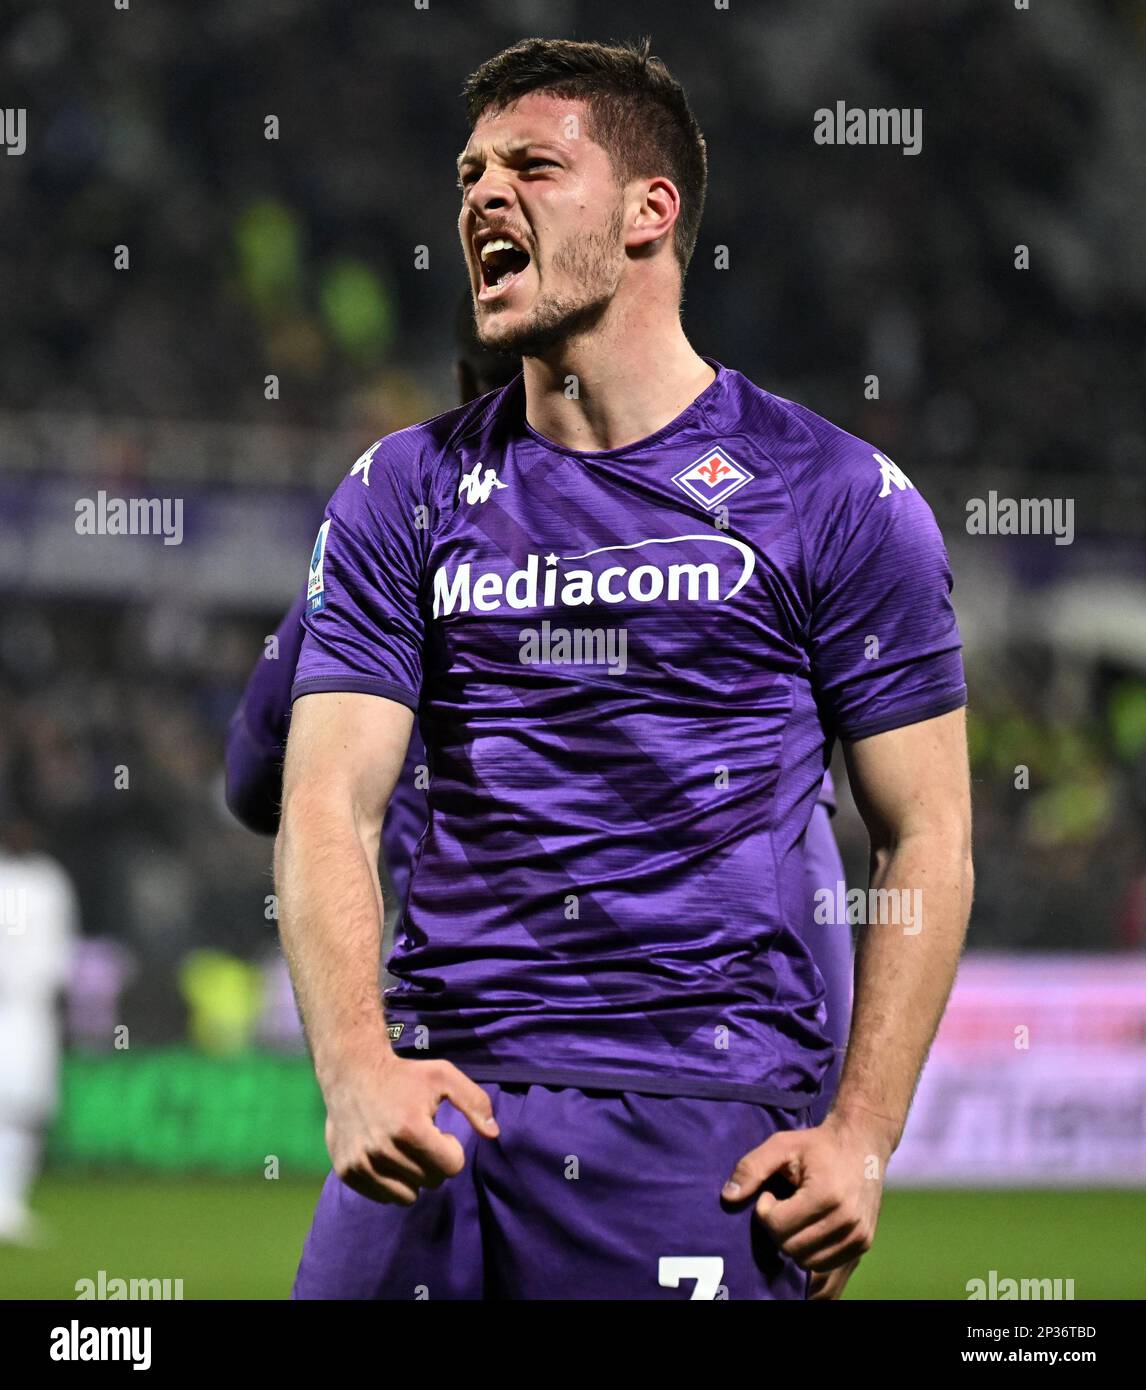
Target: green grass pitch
<point x="233" y="1239"/>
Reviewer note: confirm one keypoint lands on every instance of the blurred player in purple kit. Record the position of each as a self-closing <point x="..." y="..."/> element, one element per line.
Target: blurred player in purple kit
<point x="632" y="599"/>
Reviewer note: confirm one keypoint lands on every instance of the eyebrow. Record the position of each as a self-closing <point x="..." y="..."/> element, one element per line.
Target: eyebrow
<point x="515" y="148"/>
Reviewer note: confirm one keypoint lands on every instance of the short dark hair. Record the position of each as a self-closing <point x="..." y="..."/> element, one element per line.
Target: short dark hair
<point x="638" y="112"/>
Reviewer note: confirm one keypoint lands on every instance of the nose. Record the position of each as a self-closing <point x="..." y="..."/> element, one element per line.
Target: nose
<point x="491" y="192"/>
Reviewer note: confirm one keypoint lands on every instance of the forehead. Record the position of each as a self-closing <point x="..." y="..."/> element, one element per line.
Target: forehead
<point x="536" y="118"/>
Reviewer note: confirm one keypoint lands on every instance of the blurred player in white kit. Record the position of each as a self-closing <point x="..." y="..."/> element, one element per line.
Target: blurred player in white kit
<point x="39" y="920"/>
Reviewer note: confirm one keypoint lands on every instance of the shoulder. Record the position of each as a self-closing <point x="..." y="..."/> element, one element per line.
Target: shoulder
<point x="847" y="495"/>
<point x="409" y="461"/>
<point x="814" y="458"/>
<point x="817" y="456"/>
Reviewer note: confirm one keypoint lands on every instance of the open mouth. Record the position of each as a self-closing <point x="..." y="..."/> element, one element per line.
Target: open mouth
<point x="501" y="261"/>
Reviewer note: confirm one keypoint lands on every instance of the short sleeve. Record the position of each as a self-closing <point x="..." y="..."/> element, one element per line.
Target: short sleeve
<point x="363" y="622"/>
<point x="884" y="641"/>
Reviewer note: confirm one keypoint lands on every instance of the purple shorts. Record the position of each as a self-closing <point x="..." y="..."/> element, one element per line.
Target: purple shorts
<point x="584" y="1195"/>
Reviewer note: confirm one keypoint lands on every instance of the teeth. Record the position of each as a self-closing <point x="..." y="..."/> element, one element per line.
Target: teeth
<point x="497" y="243"/>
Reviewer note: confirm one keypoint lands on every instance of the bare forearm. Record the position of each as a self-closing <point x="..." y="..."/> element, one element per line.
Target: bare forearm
<point x="903" y="978"/>
<point x="330" y="922"/>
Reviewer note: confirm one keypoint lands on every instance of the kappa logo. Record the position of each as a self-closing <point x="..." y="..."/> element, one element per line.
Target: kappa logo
<point x="363" y="465"/>
<point x="892" y="475"/>
<point x="712" y="479"/>
<point x="477" y="489"/>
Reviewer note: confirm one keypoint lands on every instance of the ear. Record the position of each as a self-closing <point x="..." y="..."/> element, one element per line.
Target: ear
<point x="656" y="213"/>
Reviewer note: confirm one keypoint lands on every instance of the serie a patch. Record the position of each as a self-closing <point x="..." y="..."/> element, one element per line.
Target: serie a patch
<point x="316" y="582"/>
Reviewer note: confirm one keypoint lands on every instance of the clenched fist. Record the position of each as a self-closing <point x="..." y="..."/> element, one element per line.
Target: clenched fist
<point x="829" y="1221"/>
<point x="380" y="1129"/>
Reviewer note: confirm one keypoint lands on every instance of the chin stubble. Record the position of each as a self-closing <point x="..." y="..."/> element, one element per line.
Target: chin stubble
<point x="590" y="260"/>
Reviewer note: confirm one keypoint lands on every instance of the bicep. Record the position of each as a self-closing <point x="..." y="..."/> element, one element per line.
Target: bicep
<point x="346" y="750"/>
<point x="913" y="780"/>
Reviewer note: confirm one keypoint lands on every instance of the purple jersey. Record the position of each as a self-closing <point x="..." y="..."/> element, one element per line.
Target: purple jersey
<point x="628" y="666"/>
<point x="256" y="746"/>
<point x="256" y="743"/>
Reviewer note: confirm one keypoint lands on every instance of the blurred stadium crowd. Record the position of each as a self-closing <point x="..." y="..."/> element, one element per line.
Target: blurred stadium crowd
<point x="296" y="257"/>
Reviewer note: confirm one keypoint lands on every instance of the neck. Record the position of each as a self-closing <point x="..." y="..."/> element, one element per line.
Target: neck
<point x="635" y="372"/>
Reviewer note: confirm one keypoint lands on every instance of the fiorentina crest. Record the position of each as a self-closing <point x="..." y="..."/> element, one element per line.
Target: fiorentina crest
<point x="712" y="478"/>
